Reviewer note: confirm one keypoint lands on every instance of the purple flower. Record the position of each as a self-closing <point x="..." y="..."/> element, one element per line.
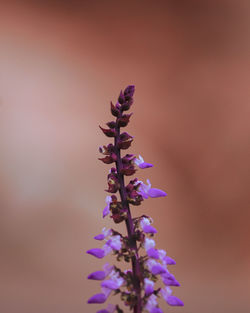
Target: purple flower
<point x="98" y="298"/>
<point x="169" y="261"/>
<point x="105" y="233"/>
<point x="166" y="260"/>
<point x="98" y="275"/>
<point x="146" y="191"/>
<point x="114" y="282"/>
<point x="115" y="242"/>
<point x="106" y="210"/>
<point x="98" y="253"/>
<point x="151" y="304"/>
<point x="140" y="162"/>
<point x="148" y="286"/>
<point x="155" y="267"/>
<point x="149" y="243"/>
<point x="171" y="300"/>
<point x="146" y="227"/>
<point x="158" y="269"/>
<point x="169" y="280"/>
<point x="153" y="253"/>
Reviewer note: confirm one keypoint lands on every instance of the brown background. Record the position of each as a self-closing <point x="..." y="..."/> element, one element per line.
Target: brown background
<point x="61" y="62"/>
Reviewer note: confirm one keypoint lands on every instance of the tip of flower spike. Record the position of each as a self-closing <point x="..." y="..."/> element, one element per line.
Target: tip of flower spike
<point x="129" y="91"/>
<point x="98" y="298"/>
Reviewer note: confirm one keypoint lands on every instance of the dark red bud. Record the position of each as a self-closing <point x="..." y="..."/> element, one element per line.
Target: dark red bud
<point x="129" y="91"/>
<point x="128" y="158"/>
<point x="124" y="120"/>
<point x="114" y="198"/>
<point x="126" y="105"/>
<point x="113" y="183"/>
<point x="118" y="218"/>
<point x="121" y="98"/>
<point x="114" y="110"/>
<point x="108" y="132"/>
<point x="124" y="141"/>
<point x="128" y="170"/>
<point x="109" y="158"/>
<point x="111" y="124"/>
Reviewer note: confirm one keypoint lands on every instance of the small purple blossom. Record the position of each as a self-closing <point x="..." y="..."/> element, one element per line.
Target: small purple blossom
<point x="155" y="267"/>
<point x="171" y="300"/>
<point x="114" y="243"/>
<point x="105" y="233"/>
<point x="101" y="275"/>
<point x="146" y="227"/>
<point x="146" y="191"/>
<point x="98" y="253"/>
<point x="98" y="275"/>
<point x="114" y="282"/>
<point x="151" y="304"/>
<point x="140" y="162"/>
<point x="98" y="298"/>
<point x="148" y="286"/>
<point x="169" y="280"/>
<point x="106" y="210"/>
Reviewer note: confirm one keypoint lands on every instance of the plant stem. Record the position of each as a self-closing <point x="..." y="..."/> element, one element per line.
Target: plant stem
<point x="130" y="227"/>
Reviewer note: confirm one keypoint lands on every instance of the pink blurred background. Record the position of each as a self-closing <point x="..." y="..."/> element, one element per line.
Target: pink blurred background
<point x="61" y="62"/>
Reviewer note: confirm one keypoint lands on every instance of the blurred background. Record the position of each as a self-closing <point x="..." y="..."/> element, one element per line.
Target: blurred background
<point x="61" y="62"/>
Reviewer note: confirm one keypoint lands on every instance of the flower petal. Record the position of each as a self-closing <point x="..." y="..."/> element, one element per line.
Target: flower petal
<point x="158" y="269"/>
<point x="145" y="165"/>
<point x="98" y="275"/>
<point x="98" y="253"/>
<point x="169" y="261"/>
<point x="153" y="253"/>
<point x="174" y="301"/>
<point x="98" y="298"/>
<point x="99" y="237"/>
<point x="156" y="310"/>
<point x="110" y="284"/>
<point x="148" y="229"/>
<point x="156" y="193"/>
<point x="106" y="211"/>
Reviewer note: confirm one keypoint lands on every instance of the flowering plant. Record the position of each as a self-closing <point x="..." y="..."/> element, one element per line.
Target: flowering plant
<point x="136" y="286"/>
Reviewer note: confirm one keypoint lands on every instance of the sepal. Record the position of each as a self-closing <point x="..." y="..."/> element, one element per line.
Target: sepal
<point x="114" y="110"/>
<point x="108" y="132"/>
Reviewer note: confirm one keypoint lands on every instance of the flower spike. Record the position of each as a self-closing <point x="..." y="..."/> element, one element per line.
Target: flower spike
<point x="137" y="248"/>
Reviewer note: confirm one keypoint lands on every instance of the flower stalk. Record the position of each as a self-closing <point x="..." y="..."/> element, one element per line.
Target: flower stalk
<point x="136" y="286"/>
<point x="129" y="222"/>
